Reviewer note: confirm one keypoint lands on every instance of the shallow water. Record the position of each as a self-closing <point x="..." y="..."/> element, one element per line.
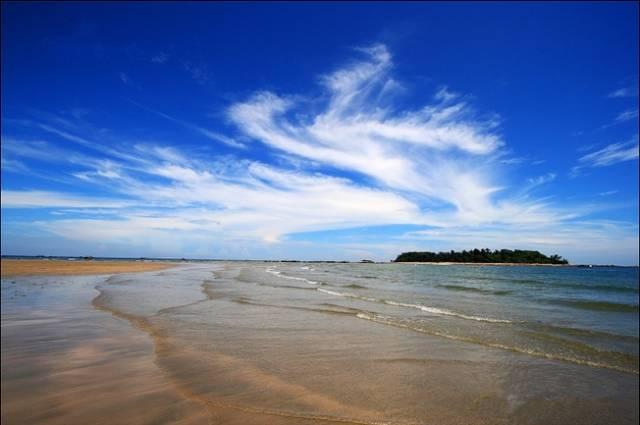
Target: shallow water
<point x="252" y="342"/>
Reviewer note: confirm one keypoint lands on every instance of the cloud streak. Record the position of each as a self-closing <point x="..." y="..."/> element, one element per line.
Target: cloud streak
<point x="211" y="135"/>
<point x="624" y="92"/>
<point x="628" y="115"/>
<point x="609" y="155"/>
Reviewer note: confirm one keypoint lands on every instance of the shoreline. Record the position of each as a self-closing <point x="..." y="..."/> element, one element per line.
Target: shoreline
<point x="14" y="268"/>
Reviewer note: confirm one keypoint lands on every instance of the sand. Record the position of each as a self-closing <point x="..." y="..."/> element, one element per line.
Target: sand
<point x="81" y="267"/>
<point x="65" y="362"/>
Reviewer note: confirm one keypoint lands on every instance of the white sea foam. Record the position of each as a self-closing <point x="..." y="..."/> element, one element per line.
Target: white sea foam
<point x="283" y="276"/>
<point x="272" y="270"/>
<point x="444" y="312"/>
<point x="338" y="294"/>
<point x="426" y="309"/>
<point x="348" y="295"/>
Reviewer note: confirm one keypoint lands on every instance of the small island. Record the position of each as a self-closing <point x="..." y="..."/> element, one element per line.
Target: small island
<point x="481" y="256"/>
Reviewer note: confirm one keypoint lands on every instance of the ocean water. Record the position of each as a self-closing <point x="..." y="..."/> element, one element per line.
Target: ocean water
<point x="293" y="343"/>
<point x="580" y="315"/>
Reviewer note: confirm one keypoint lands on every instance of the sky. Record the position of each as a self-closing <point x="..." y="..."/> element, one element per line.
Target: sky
<point x="335" y="131"/>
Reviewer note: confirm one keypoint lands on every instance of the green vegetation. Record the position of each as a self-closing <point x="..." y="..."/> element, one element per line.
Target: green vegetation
<point x="482" y="256"/>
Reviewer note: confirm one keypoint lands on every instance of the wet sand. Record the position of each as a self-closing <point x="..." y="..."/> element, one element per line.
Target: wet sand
<point x="65" y="362"/>
<point x="79" y="267"/>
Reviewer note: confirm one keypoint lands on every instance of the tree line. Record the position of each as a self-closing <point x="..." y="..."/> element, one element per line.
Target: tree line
<point x="482" y="256"/>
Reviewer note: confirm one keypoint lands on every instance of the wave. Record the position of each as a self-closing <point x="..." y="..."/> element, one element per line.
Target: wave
<point x="608" y="288"/>
<point x="283" y="276"/>
<point x="444" y="312"/>
<point x="334" y="309"/>
<point x="476" y="290"/>
<point x="599" y="305"/>
<point x="311" y="269"/>
<point x="578" y="332"/>
<point x="355" y="286"/>
<point x="504" y="279"/>
<point x="426" y="309"/>
<point x="272" y="271"/>
<point x="628" y="359"/>
<point x="582" y="286"/>
<point x="303" y="288"/>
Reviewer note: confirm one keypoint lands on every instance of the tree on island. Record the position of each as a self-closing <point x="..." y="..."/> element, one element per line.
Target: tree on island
<point x="481" y="256"/>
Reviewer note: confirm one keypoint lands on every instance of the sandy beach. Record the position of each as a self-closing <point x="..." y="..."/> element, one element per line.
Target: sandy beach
<point x="79" y="267"/>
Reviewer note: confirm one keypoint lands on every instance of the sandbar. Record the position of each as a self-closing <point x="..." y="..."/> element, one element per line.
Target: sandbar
<point x="80" y="267"/>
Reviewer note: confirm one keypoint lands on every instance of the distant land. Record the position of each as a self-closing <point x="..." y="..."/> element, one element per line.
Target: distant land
<point x="481" y="256"/>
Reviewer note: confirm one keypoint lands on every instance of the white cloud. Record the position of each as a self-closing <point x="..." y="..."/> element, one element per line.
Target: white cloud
<point x="624" y="92"/>
<point x="611" y="154"/>
<point x="545" y="178"/>
<point x="439" y="151"/>
<point x="513" y="160"/>
<point x="14" y="166"/>
<point x="628" y="115"/>
<point x="443" y="94"/>
<point x="212" y="135"/>
<point x="44" y="199"/>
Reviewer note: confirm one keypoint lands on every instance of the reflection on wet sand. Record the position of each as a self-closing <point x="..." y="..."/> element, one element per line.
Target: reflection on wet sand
<point x="63" y="362"/>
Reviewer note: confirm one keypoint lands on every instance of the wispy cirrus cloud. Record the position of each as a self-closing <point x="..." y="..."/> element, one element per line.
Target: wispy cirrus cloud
<point x="14" y="166"/>
<point x="624" y="92"/>
<point x="628" y="115"/>
<point x="45" y="199"/>
<point x="609" y="155"/>
<point x="212" y="135"/>
<point x="539" y="180"/>
<point x="440" y="151"/>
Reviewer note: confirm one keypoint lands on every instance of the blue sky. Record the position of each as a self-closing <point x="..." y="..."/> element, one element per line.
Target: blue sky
<point x="320" y="130"/>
